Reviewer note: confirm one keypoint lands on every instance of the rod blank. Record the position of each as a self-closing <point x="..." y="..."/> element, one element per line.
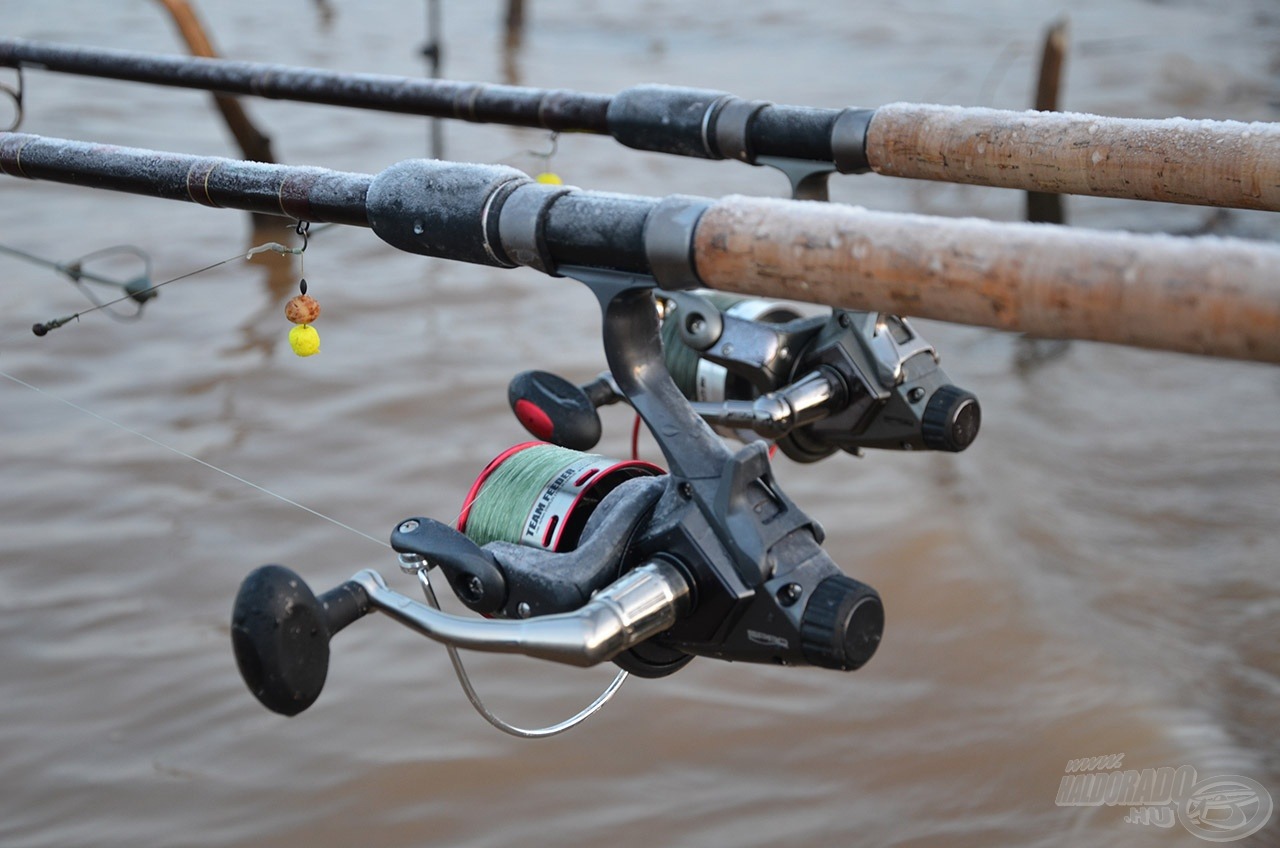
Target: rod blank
<point x="468" y="101"/>
<point x="304" y="194"/>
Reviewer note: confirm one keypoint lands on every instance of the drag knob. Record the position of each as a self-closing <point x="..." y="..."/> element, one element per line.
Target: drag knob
<point x="554" y="410"/>
<point x="951" y="420"/>
<point x="280" y="633"/>
<point x="842" y="623"/>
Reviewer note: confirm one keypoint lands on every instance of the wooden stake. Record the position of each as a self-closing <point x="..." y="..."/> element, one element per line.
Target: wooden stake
<point x="1218" y="297"/>
<point x="514" y="22"/>
<point x="1043" y="207"/>
<point x="253" y="143"/>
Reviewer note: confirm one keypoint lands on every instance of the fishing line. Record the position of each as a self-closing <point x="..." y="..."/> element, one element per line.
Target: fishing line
<point x="508" y="487"/>
<point x="539" y="495"/>
<point x="76" y="273"/>
<point x="545" y="175"/>
<point x="682" y="360"/>
<point x="15" y="94"/>
<point x="186" y="455"/>
<point x="455" y="658"/>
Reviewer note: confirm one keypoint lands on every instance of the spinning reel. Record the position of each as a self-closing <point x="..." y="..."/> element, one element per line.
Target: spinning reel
<point x="756" y="369"/>
<point x="710" y="559"/>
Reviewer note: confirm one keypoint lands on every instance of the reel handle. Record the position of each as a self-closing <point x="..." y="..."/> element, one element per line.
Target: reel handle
<point x="280" y="633"/>
<point x="557" y="411"/>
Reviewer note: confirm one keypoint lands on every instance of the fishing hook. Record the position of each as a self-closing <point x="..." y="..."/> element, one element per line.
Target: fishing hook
<point x="303" y="229"/>
<point x="15" y="94"/>
<point x="546" y="157"/>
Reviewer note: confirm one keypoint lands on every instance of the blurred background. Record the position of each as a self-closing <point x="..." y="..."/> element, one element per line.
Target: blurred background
<point x="1098" y="574"/>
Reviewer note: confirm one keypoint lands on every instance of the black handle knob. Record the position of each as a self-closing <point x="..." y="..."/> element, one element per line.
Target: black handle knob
<point x="554" y="410"/>
<point x="842" y="624"/>
<point x="951" y="420"/>
<point x="280" y="633"/>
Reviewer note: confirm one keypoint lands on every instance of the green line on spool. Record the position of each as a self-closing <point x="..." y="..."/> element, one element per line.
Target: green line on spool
<point x="500" y="508"/>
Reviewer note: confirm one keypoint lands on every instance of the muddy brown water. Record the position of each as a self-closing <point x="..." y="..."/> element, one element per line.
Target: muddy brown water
<point x="1099" y="574"/>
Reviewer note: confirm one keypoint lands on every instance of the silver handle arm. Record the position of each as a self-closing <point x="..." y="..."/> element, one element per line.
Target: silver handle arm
<point x="640" y="604"/>
<point x="774" y="415"/>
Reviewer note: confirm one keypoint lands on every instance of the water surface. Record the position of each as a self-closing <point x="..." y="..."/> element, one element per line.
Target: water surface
<point x="1098" y="574"/>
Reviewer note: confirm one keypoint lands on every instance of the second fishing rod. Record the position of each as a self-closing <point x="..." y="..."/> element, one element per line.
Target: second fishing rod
<point x="1210" y="163"/>
<point x="1209" y="296"/>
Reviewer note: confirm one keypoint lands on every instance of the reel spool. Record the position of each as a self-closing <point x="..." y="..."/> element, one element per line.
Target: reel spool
<point x="541" y="495"/>
<point x="700" y="379"/>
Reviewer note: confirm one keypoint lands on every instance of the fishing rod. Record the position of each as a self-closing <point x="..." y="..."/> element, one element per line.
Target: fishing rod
<point x="1208" y="163"/>
<point x="578" y="559"/>
<point x="1208" y="296"/>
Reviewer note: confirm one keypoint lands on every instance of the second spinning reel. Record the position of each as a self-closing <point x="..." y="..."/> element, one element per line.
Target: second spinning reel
<point x="758" y="369"/>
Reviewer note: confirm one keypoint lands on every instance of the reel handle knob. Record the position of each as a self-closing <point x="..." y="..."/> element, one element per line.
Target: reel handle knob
<point x="555" y="410"/>
<point x="280" y="633"/>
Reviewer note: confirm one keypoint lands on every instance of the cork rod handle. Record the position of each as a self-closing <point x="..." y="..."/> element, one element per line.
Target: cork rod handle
<point x="1206" y="163"/>
<point x="1210" y="296"/>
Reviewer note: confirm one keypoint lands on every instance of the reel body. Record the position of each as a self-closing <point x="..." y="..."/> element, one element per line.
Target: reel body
<point x="758" y="370"/>
<point x="704" y="380"/>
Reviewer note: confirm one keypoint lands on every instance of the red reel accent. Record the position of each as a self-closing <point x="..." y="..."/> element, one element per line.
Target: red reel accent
<point x="534" y="419"/>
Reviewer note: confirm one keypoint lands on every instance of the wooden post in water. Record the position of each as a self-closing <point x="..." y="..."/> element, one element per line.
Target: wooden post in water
<point x="253" y="143"/>
<point x="433" y="52"/>
<point x="1043" y="207"/>
<point x="515" y="22"/>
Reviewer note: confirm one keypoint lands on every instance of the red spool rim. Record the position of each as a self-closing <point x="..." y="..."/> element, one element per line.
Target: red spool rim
<point x="600" y="477"/>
